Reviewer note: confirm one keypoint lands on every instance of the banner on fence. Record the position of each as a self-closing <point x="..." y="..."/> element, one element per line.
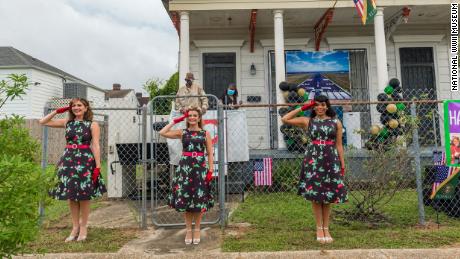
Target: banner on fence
<point x="452" y="132"/>
<point x="446" y="178"/>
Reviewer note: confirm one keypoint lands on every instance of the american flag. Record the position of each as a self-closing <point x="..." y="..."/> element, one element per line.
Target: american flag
<point x="442" y="174"/>
<point x="263" y="171"/>
<point x="360" y="7"/>
<point x="366" y="9"/>
<point x="439" y="158"/>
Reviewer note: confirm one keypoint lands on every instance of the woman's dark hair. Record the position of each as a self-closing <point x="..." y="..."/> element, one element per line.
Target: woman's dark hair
<point x="225" y="99"/>
<point x="88" y="114"/>
<point x="323" y="99"/>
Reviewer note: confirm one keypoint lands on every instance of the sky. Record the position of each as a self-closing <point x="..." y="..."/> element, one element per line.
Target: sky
<point x="100" y="41"/>
<point x="323" y="61"/>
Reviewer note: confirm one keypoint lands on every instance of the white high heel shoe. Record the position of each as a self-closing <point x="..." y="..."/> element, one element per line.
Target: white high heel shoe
<point x="196" y="241"/>
<point x="188" y="241"/>
<point x="328" y="239"/>
<point x="322" y="240"/>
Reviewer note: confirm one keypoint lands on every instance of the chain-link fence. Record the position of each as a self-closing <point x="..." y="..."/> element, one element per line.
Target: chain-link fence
<point x="167" y="153"/>
<point x="122" y="138"/>
<point x="389" y="146"/>
<point x="391" y="153"/>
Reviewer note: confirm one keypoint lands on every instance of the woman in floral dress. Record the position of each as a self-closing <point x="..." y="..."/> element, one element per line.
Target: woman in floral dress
<point x="79" y="168"/>
<point x="190" y="187"/>
<point x="323" y="167"/>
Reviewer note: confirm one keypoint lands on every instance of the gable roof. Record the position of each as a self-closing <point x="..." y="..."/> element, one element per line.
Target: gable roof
<point x="144" y="100"/>
<point x="13" y="58"/>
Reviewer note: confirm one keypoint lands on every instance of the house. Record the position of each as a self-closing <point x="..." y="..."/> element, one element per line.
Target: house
<point x="47" y="83"/>
<point x="246" y="41"/>
<point x="123" y="119"/>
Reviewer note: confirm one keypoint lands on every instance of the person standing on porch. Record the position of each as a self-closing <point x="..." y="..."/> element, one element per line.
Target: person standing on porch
<point x="323" y="167"/>
<point x="191" y="89"/>
<point x="191" y="190"/>
<point x="79" y="168"/>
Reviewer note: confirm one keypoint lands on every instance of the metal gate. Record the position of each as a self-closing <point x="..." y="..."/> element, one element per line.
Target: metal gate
<point x="123" y="135"/>
<point x="165" y="157"/>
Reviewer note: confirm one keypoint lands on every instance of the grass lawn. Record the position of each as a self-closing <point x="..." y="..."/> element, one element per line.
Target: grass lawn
<point x="99" y="240"/>
<point x="56" y="227"/>
<point x="284" y="221"/>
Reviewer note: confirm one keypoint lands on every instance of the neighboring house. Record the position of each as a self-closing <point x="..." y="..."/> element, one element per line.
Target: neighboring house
<point x="123" y="129"/>
<point x="216" y="45"/>
<point x="48" y="82"/>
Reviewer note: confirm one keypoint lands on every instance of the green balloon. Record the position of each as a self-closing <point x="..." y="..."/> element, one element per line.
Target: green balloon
<point x="389" y="89"/>
<point x="289" y="141"/>
<point x="383" y="133"/>
<point x="400" y="106"/>
<point x="305" y="97"/>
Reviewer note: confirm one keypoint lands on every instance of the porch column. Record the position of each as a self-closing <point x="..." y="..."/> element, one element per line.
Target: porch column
<point x="280" y="73"/>
<point x="381" y="50"/>
<point x="184" y="46"/>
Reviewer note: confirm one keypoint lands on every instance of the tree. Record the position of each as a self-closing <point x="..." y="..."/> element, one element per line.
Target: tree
<point x="22" y="185"/>
<point x="14" y="87"/>
<point x="156" y="87"/>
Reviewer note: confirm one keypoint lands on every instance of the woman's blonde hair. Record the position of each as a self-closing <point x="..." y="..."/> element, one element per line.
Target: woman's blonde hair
<point x="200" y="116"/>
<point x="88" y="116"/>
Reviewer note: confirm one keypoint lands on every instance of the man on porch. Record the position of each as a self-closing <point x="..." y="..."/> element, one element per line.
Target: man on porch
<point x="191" y="89"/>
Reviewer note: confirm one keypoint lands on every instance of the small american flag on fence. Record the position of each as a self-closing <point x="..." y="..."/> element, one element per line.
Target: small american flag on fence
<point x="439" y="158"/>
<point x="442" y="174"/>
<point x="263" y="171"/>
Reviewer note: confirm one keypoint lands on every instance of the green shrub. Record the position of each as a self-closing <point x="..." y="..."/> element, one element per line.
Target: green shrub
<point x="22" y="184"/>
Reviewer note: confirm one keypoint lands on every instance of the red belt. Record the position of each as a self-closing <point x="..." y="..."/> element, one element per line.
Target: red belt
<point x="193" y="154"/>
<point x="75" y="146"/>
<point x="322" y="142"/>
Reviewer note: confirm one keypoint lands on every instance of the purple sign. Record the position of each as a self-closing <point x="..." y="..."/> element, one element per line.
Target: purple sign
<point x="452" y="131"/>
<point x="454" y="117"/>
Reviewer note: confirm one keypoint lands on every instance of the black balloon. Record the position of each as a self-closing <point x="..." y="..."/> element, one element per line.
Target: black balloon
<point x="284" y="86"/>
<point x="381" y="107"/>
<point x="385" y="117"/>
<point x="382" y="97"/>
<point x="293" y="97"/>
<point x="293" y="87"/>
<point x="396" y="97"/>
<point x="394" y="82"/>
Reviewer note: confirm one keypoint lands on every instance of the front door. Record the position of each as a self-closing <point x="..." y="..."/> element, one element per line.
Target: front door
<point x="418" y="81"/>
<point x="219" y="69"/>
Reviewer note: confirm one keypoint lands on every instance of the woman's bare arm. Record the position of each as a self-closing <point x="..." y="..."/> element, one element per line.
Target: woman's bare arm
<point x="291" y="119"/>
<point x="48" y="121"/>
<point x="210" y="151"/>
<point x="338" y="143"/>
<point x="167" y="132"/>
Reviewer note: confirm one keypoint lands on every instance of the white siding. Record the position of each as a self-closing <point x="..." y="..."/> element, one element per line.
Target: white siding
<point x="18" y="106"/>
<point x="96" y="96"/>
<point x="122" y="129"/>
<point x="51" y="86"/>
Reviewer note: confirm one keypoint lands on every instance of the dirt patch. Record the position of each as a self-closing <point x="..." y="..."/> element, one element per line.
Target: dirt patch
<point x="113" y="214"/>
<point x="237" y="230"/>
<point x="429" y="225"/>
<point x="164" y="241"/>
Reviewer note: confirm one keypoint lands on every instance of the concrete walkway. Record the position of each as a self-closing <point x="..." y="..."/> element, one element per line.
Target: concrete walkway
<point x="336" y="254"/>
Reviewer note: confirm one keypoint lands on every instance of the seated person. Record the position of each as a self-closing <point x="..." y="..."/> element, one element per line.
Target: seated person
<point x="230" y="97"/>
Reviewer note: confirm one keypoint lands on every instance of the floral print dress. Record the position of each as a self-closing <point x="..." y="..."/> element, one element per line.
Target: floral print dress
<point x="76" y="166"/>
<point x="190" y="192"/>
<point x="320" y="177"/>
